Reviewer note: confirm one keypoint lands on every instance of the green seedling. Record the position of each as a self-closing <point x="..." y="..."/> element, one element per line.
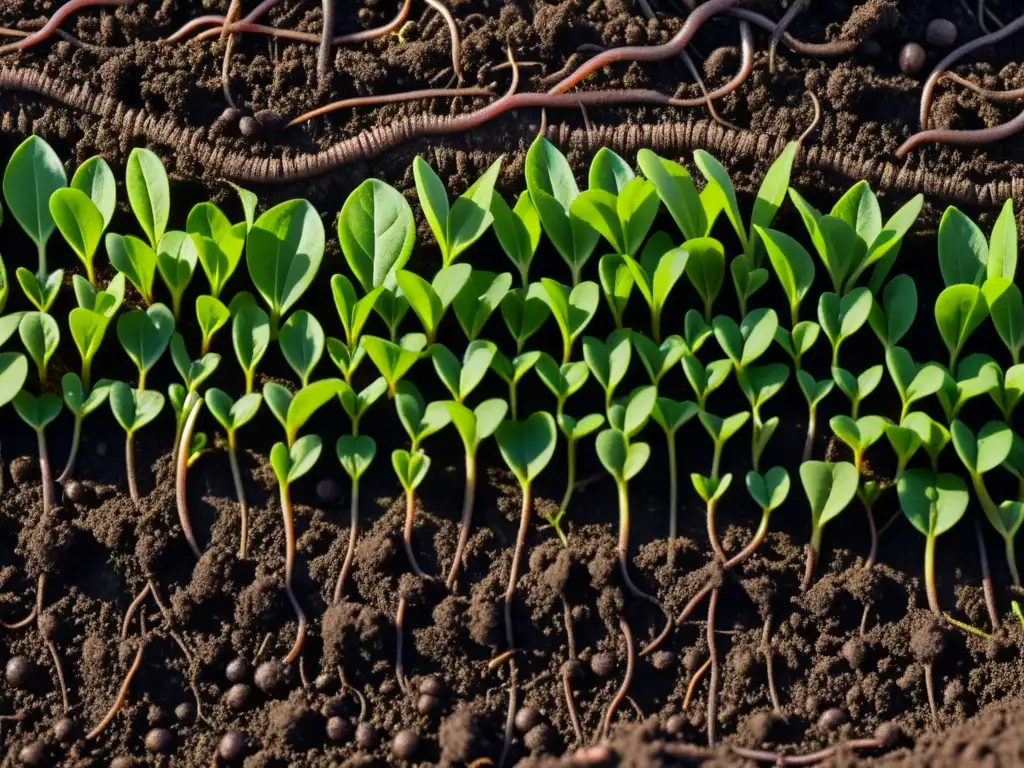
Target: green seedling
<point x="747" y="280"/>
<point x="706" y="270"/>
<point x="856" y="388"/>
<point x="933" y="503"/>
<point x="474" y="426"/>
<point x="840" y="318"/>
<point x="622" y="218"/>
<point x="193" y="373"/>
<point x="289" y="464"/>
<point x="394" y="360"/>
<point x="479" y="297"/>
<point x="41" y="292"/>
<point x="891" y="319"/>
<point x="656" y="274"/>
<point x="671" y="415"/>
<point x="133" y="409"/>
<point x="356" y="404"/>
<point x="38" y="412"/>
<point x="233" y="415"/>
<point x="799" y="341"/>
<point x="858" y="434"/>
<point x="283" y="251"/>
<point x="344" y="360"/>
<point x="769" y="492"/>
<point x="563" y="381"/>
<point x="9" y="325"/>
<point x="302" y="343"/>
<point x="80" y="222"/>
<point x="512" y="371"/>
<point x="793" y="267"/>
<point x="462" y="377"/>
<point x="96" y="180"/>
<point x="720" y="430"/>
<point x="905" y="443"/>
<point x="518" y="230"/>
<point x="419" y="418"/>
<point x="759" y="384"/>
<point x="40" y="336"/>
<point x="293" y="411"/>
<point x="913" y="382"/>
<point x="609" y="172"/>
<point x="705" y="380"/>
<point x="1006" y="308"/>
<point x="959" y="311"/>
<point x="5" y="287"/>
<point x="80" y="402"/>
<point x="710" y="490"/>
<point x="678" y="192"/>
<point x="250" y="336"/>
<point x="608" y="361"/>
<point x="13" y="372"/>
<point x="574" y="431"/>
<point x="966" y="257"/>
<point x="135" y="260"/>
<point x="457" y="227"/>
<point x="553" y="189"/>
<point x="355" y="454"/>
<point x="980" y="454"/>
<point x="249" y="203"/>
<point x="33" y="174"/>
<point x="176" y="259"/>
<point x="695" y="332"/>
<point x="746" y="342"/>
<point x="933" y="435"/>
<point x="572" y="309"/>
<point x="430" y="301"/>
<point x="524" y="312"/>
<point x="657" y="359"/>
<point x="144" y="335"/>
<point x="616" y="284"/>
<point x="149" y="193"/>
<point x="814" y="392"/>
<point x="977" y="375"/>
<point x="411" y="468"/>
<point x="354" y="312"/>
<point x="106" y="302"/>
<point x="218" y="243"/>
<point x="830" y="487"/>
<point x="1010" y="389"/>
<point x="630" y="413"/>
<point x="187" y="447"/>
<point x="211" y="315"/>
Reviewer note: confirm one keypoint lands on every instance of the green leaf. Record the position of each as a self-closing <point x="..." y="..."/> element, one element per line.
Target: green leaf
<point x="232" y="415"/>
<point x="616" y="284"/>
<point x="75" y="398"/>
<point x="42" y="295"/>
<point x="355" y="454"/>
<point x="986" y="451"/>
<point x="37" y="412"/>
<point x="80" y="222"/>
<point x="706" y="268"/>
<point x="769" y="490"/>
<point x="959" y="310"/>
<point x="353" y="311"/>
<point x="135" y="260"/>
<point x="710" y="488"/>
<point x="13" y="372"/>
<point x="193" y="373"/>
<point x="1002" y="251"/>
<point x="40" y="336"/>
<point x="608" y="362"/>
<point x="830" y="487"/>
<point x="283" y="252"/>
<point x="149" y="192"/>
<point x="746" y="279"/>
<point x="518" y="231"/>
<point x="549" y="171"/>
<point x="799" y="342"/>
<point x="658" y="359"/>
<point x="746" y="342"/>
<point x="904" y="441"/>
<point x="176" y="259"/>
<point x="894" y="317"/>
<point x="841" y="318"/>
<point x="885" y="246"/>
<point x="308" y="401"/>
<point x="87" y="331"/>
<point x="211" y="315"/>
<point x="524" y="312"/>
<point x="527" y="446"/>
<point x="573" y="310"/>
<point x="479" y="424"/>
<point x="278" y="400"/>
<point x="677" y="191"/>
<point x="470" y="214"/>
<point x="720" y="430"/>
<point x="772" y="192"/>
<point x="703" y="380"/>
<point x="96" y="180"/>
<point x="564" y="380"/>
<point x="860" y="434"/>
<point x="760" y="383"/>
<point x="430" y="301"/>
<point x="346" y="361"/>
<point x="144" y="335"/>
<point x="410" y="468"/>
<point x="250" y="336"/>
<point x="302" y="344"/>
<point x="419" y="418"/>
<point x="1007" y="310"/>
<point x="478" y="299"/>
<point x="622" y="459"/>
<point x="5" y="287"/>
<point x="814" y="391"/>
<point x="356" y="404"/>
<point x="963" y="250"/>
<point x="291" y="463"/>
<point x="461" y="378"/>
<point x="394" y="360"/>
<point x="718" y="179"/>
<point x="671" y="415"/>
<point x="218" y="244"/>
<point x="933" y="503"/>
<point x="630" y="414"/>
<point x="609" y="172"/>
<point x="858" y="208"/>
<point x="792" y="264"/>
<point x="134" y="408"/>
<point x="33" y="174"/>
<point x="249" y="202"/>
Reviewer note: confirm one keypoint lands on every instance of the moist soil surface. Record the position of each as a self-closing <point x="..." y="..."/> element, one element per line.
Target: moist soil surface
<point x="850" y="658"/>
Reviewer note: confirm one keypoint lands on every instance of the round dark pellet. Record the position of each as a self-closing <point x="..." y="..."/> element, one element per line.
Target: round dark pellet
<point x="940" y="32"/>
<point x="238" y="696"/>
<point x="339" y="729"/>
<point x="406" y="743"/>
<point x="327" y="490"/>
<point x="912" y="58"/>
<point x="889" y="734"/>
<point x="232" y="746"/>
<point x="675" y="725"/>
<point x="32" y="754"/>
<point x="541" y="738"/>
<point x="428" y="705"/>
<point x="248" y="127"/>
<point x="19" y="671"/>
<point x="74" y="491"/>
<point x="336" y="707"/>
<point x="432" y="685"/>
<point x="270" y="676"/>
<point x="160" y="741"/>
<point x="527" y="718"/>
<point x="603" y="664"/>
<point x="238" y="670"/>
<point x="64" y="730"/>
<point x="367" y="736"/>
<point x="185" y="712"/>
<point x="831" y="719"/>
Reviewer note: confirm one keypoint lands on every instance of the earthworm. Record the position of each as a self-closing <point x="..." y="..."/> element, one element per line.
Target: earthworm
<point x="800" y="140"/>
<point x="353" y="534"/>
<point x="746" y="67"/>
<point x="691" y="687"/>
<point x="811" y="758"/>
<point x="60" y="673"/>
<point x="388" y="98"/>
<point x="769" y="665"/>
<point x="928" y="91"/>
<point x="500" y="659"/>
<point x="794" y="10"/>
<point x="968" y="138"/>
<point x="986" y="576"/>
<point x="40" y="583"/>
<point x="571" y="63"/>
<point x="627" y="635"/>
<point x="1001" y="96"/>
<point x="713" y="683"/>
<point x="225" y="71"/>
<point x="139" y="598"/>
<point x="818" y="50"/>
<point x="55" y="21"/>
<point x="646" y="53"/>
<point x="453" y="31"/>
<point x="410" y="514"/>
<point x="323" y="56"/>
<point x="182" y="475"/>
<point x="122" y="694"/>
<point x="253" y="15"/>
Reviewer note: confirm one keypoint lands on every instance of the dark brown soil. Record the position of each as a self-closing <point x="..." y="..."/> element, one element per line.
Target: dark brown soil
<point x="98" y="553"/>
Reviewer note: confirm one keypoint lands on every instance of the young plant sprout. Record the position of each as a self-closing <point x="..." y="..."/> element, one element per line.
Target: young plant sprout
<point x="830" y="487"/>
<point x="1006" y="308"/>
<point x="302" y="340"/>
<point x="355" y="453"/>
<point x="13" y="372"/>
<point x="457" y="226"/>
<point x="293" y="411"/>
<point x="518" y="230"/>
<point x="768" y="491"/>
<point x="104" y="302"/>
<point x="38" y="412"/>
<point x="80" y="405"/>
<point x="290" y="462"/>
<point x="856" y="388"/>
<point x="622" y="217"/>
<point x="608" y="361"/>
<point x="461" y="378"/>
<point x="357" y="403"/>
<point x="859" y="435"/>
<point x="913" y="382"/>
<point x="233" y="415"/>
<point x="133" y="409"/>
<point x="760" y="383"/>
<point x="430" y="301"/>
<point x="34" y="166"/>
<point x="512" y="371"/>
<point x="705" y="380"/>
<point x="149" y="193"/>
<point x="218" y="243"/>
<point x="144" y="335"/>
<point x="840" y="318"/>
<point x="80" y="222"/>
<point x="798" y="342"/>
<point x="814" y="392"/>
<point x="656" y="274"/>
<point x="212" y="315"/>
<point x="419" y="418"/>
<point x="194" y="374"/>
<point x="250" y="336"/>
<point x="891" y="319"/>
<point x="959" y="311"/>
<point x="479" y="297"/>
<point x="793" y="267"/>
<point x="720" y="430"/>
<point x="658" y="359"/>
<point x="524" y="312"/>
<point x="966" y="256"/>
<point x="616" y="284"/>
<point x="706" y="270"/>
<point x="192" y="406"/>
<point x="573" y="310"/>
<point x="394" y="360"/>
<point x="905" y="443"/>
<point x="134" y="259"/>
<point x="43" y="294"/>
<point x="40" y="335"/>
<point x="354" y="312"/>
<point x="983" y="453"/>
<point x="176" y="259"/>
<point x="975" y="376"/>
<point x="670" y="416"/>
<point x="747" y="341"/>
<point x="933" y="435"/>
<point x="474" y="426"/>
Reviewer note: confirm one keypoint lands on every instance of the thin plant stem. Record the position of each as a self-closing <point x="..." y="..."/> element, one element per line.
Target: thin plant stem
<point x="769" y="665"/>
<point x="986" y="575"/>
<point x="873" y="529"/>
<point x="129" y="466"/>
<point x="323" y="58"/>
<point x="46" y="476"/>
<point x="1011" y="560"/>
<point x="467" y="517"/>
<point x="570" y="474"/>
<point x="399" y="642"/>
<point x="512" y="401"/>
<point x="525" y="515"/>
<point x="122" y="694"/>
<point x="76" y="438"/>
<point x="716" y="544"/>
<point x="353" y="535"/>
<point x="673" y="498"/>
<point x="410" y="514"/>
<point x="181" y="478"/>
<point x="713" y="684"/>
<point x="812" y="421"/>
<point x="813" y="552"/>
<point x="627" y="679"/>
<point x="929" y="576"/>
<point x="243" y="506"/>
<point x="41" y="248"/>
<point x="289" y="562"/>
<point x="929" y="685"/>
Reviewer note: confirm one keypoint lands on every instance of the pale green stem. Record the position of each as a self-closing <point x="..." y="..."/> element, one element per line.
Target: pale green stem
<point x="673" y="497"/>
<point x="656" y="324"/>
<point x="236" y="474"/>
<point x="467" y="517"/>
<point x="76" y="438"/>
<point x="929" y="575"/>
<point x="512" y="403"/>
<point x="41" y="274"/>
<point x="716" y="459"/>
<point x="570" y="475"/>
<point x="813" y="552"/>
<point x="182" y="475"/>
<point x="812" y="422"/>
<point x="1011" y="561"/>
<point x="44" y="470"/>
<point x="716" y="544"/>
<point x="129" y="467"/>
<point x="353" y="533"/>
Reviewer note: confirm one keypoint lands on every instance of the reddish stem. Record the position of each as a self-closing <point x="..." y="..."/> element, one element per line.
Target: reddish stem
<point x="388" y="98"/>
<point x="453" y="31"/>
<point x="45" y="475"/>
<point x="410" y="514"/>
<point x="467" y="518"/>
<point x="181" y="476"/>
<point x="353" y="534"/>
<point x="624" y="688"/>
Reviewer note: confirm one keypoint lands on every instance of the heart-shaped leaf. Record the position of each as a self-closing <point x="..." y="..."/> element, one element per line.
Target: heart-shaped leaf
<point x="830" y="487"/>
<point x="959" y="310"/>
<point x="573" y="310"/>
<point x="40" y="336"/>
<point x="710" y="489"/>
<point x="1006" y="308"/>
<point x="308" y="401"/>
<point x="149" y="192"/>
<point x="232" y="415"/>
<point x="292" y="462"/>
<point x="134" y="259"/>
<point x="43" y="293"/>
<point x="527" y="446"/>
<point x="355" y="453"/>
<point x="37" y="412"/>
<point x="479" y="297"/>
<point x="893" y="318"/>
<point x="608" y="361"/>
<point x="144" y="335"/>
<point x="814" y="391"/>
<point x="963" y="250"/>
<point x="658" y="359"/>
<point x="841" y="318"/>
<point x="134" y="408"/>
<point x="983" y="452"/>
<point x="671" y="415"/>
<point x="250" y="336"/>
<point x="524" y="312"/>
<point x="792" y="264"/>
<point x="622" y="459"/>
<point x="476" y="425"/>
<point x="217" y="242"/>
<point x="518" y="230"/>
<point x="933" y="503"/>
<point x="770" y="489"/>
<point x="629" y="414"/>
<point x="302" y="344"/>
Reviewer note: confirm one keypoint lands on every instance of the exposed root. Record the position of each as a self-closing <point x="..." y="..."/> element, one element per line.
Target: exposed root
<point x="399" y="641"/>
<point x="500" y="659"/>
<point x="795" y="9"/>
<point x="713" y="684"/>
<point x="626" y="680"/>
<point x="453" y="31"/>
<point x="40" y="583"/>
<point x="929" y="685"/>
<point x="766" y="647"/>
<point x="986" y="576"/>
<point x="139" y="598"/>
<point x="122" y="694"/>
<point x="691" y="687"/>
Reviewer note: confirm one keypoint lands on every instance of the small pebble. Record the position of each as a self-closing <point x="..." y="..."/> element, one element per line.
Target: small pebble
<point x="889" y="734"/>
<point x="675" y="725"/>
<point x="335" y="707"/>
<point x="541" y="738"/>
<point x="339" y="729"/>
<point x="912" y="58"/>
<point x="406" y="743"/>
<point x="232" y="746"/>
<point x="940" y="32"/>
<point x="367" y="736"/>
<point x="19" y="671"/>
<point x="74" y="491"/>
<point x="662" y="660"/>
<point x="248" y="127"/>
<point x="33" y="754"/>
<point x="603" y="664"/>
<point x="428" y="705"/>
<point x="238" y="696"/>
<point x="324" y="682"/>
<point x="388" y="688"/>
<point x="64" y="730"/>
<point x="432" y="685"/>
<point x="160" y="741"/>
<point x="185" y="712"/>
<point x="238" y="670"/>
<point x="327" y="490"/>
<point x="527" y="718"/>
<point x="831" y="719"/>
<point x="269" y="676"/>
